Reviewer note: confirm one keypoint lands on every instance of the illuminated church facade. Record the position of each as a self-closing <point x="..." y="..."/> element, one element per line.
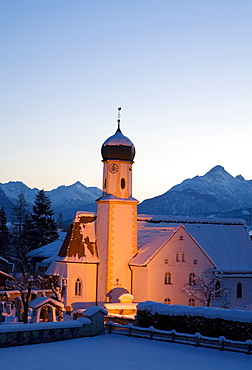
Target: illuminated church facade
<point x="116" y="251"/>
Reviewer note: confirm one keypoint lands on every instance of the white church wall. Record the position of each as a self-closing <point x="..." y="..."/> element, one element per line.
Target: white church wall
<point x="234" y="296"/>
<point x="178" y="257"/>
<point x="81" y="285"/>
<point x="140" y="284"/>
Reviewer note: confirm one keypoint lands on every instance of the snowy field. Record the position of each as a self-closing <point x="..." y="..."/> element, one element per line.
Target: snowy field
<point x="113" y="351"/>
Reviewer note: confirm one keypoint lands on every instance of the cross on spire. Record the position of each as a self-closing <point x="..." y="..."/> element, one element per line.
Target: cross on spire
<point x="119" y="118"/>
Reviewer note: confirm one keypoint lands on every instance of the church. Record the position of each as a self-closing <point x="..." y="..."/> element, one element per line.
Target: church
<point x="116" y="251"/>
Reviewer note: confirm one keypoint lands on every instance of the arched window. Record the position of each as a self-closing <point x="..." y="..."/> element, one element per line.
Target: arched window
<point x="183" y="257"/>
<point x="177" y="257"/>
<point x="105" y="182"/>
<point x="167" y="301"/>
<point x="123" y="184"/>
<point x="217" y="289"/>
<point x="167" y="278"/>
<point x="192" y="278"/>
<point x="239" y="290"/>
<point x="191" y="302"/>
<point x="78" y="287"/>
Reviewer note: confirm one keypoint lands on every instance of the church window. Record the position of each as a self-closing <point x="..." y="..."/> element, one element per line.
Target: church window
<point x="167" y="278"/>
<point x="105" y="182"/>
<point x="78" y="287"/>
<point x="195" y="262"/>
<point x="123" y="183"/>
<point x="191" y="302"/>
<point x="167" y="301"/>
<point x="239" y="290"/>
<point x="183" y="257"/>
<point x="181" y="237"/>
<point x="177" y="257"/>
<point x="217" y="289"/>
<point x="192" y="278"/>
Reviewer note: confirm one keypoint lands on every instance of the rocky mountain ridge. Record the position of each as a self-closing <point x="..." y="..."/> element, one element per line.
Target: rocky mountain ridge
<point x="64" y="199"/>
<point x="214" y="193"/>
<point x="217" y="193"/>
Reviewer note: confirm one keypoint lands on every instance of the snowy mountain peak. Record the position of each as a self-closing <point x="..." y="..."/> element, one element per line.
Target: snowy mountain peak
<point x="240" y="177"/>
<point x="216" y="191"/>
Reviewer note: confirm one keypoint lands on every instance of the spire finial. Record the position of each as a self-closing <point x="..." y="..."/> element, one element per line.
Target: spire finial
<point x="119" y="118"/>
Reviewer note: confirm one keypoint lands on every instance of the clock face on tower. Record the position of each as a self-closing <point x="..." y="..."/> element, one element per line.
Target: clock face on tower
<point x="113" y="167"/>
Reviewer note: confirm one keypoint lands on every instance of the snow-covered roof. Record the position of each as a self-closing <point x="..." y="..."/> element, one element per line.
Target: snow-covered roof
<point x="49" y="250"/>
<point x="118" y="139"/>
<point x="79" y="244"/>
<point x="150" y="241"/>
<point x="90" y="311"/>
<point x="225" y="241"/>
<point x="6" y="276"/>
<point x="41" y="301"/>
<point x="114" y="198"/>
<point x="57" y="268"/>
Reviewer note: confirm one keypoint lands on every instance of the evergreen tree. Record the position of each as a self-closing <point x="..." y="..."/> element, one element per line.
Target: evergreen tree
<point x="19" y="214"/>
<point x="22" y="235"/>
<point x="45" y="226"/>
<point x="5" y="236"/>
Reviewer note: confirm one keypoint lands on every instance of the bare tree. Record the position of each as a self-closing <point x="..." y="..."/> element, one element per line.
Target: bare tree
<point x="206" y="287"/>
<point x="25" y="285"/>
<point x="58" y="290"/>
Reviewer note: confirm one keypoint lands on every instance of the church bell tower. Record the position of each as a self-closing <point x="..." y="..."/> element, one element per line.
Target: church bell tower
<point x="116" y="218"/>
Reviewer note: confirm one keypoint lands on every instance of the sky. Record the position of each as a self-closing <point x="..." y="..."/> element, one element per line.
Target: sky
<point x="113" y="351"/>
<point x="180" y="70"/>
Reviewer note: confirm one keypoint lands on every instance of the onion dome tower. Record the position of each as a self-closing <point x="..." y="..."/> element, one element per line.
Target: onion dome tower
<point x="116" y="218"/>
<point x="118" y="153"/>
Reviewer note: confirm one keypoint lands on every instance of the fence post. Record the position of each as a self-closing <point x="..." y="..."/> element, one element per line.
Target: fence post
<point x="249" y="343"/>
<point x="151" y="332"/>
<point x="173" y="336"/>
<point x="130" y="328"/>
<point x="222" y="340"/>
<point x="197" y="336"/>
<point x="110" y="327"/>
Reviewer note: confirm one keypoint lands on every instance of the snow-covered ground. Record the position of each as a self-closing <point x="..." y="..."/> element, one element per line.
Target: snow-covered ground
<point x="112" y="351"/>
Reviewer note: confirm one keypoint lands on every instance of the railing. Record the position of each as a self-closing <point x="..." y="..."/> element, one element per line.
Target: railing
<point x="172" y="336"/>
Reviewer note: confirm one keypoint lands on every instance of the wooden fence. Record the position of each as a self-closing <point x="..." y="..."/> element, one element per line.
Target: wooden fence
<point x="172" y="336"/>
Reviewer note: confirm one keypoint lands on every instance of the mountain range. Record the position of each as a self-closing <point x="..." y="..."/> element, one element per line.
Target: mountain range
<point x="217" y="193"/>
<point x="64" y="199"/>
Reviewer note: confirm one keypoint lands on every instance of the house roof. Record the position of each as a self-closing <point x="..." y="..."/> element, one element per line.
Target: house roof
<point x="41" y="301"/>
<point x="49" y="250"/>
<point x="225" y="241"/>
<point x="6" y="276"/>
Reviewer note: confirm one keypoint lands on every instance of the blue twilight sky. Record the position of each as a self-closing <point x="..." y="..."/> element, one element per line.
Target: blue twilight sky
<point x="180" y="69"/>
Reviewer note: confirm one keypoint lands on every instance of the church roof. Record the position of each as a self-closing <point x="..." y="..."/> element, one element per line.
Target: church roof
<point x="225" y="241"/>
<point x="150" y="241"/>
<point x="79" y="244"/>
<point x="118" y="147"/>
